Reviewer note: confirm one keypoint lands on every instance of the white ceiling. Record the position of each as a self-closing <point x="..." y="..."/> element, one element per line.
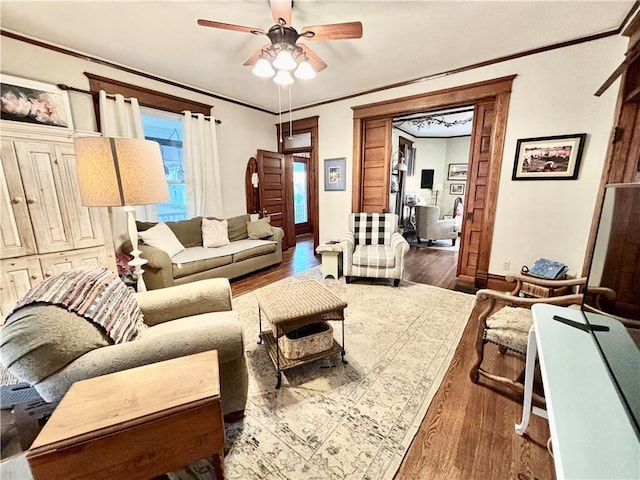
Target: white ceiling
<point x="402" y="40"/>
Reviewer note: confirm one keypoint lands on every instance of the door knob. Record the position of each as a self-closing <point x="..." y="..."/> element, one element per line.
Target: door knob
<point x="32" y="200"/>
<point x="16" y="200"/>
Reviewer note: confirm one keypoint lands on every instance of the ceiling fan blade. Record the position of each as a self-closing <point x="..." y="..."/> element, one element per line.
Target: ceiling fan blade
<point x="281" y="9"/>
<point x="334" y="31"/>
<point x="316" y="62"/>
<point x="254" y="58"/>
<point x="229" y="26"/>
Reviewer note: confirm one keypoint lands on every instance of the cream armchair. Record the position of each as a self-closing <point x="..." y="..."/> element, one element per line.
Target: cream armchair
<point x="51" y="347"/>
<point x="373" y="247"/>
<point x="430" y="227"/>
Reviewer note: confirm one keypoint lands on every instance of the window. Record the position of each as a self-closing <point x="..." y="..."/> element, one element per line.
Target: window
<point x="166" y="129"/>
<point x="300" y="192"/>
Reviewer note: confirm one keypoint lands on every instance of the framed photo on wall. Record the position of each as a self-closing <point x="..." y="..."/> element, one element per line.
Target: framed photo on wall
<point x="548" y="158"/>
<point x="456" y="188"/>
<point x="335" y="173"/>
<point x="29" y="101"/>
<point x="458" y="172"/>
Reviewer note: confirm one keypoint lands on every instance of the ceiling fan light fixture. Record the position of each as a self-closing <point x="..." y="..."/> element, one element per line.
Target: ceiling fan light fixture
<point x="304" y="71"/>
<point x="283" y="77"/>
<point x="284" y="60"/>
<point x="263" y="69"/>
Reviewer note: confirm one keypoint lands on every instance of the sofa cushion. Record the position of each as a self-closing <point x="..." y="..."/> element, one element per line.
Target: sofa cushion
<point x="214" y="233"/>
<point x="259" y="229"/>
<point x="189" y="232"/>
<point x="255" y="249"/>
<point x="183" y="269"/>
<point x="162" y="237"/>
<point x="378" y="256"/>
<point x="238" y="227"/>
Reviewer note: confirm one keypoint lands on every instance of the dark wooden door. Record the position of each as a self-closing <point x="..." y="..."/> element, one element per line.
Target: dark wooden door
<point x="374" y="193"/>
<point x="474" y="252"/>
<point x="275" y="172"/>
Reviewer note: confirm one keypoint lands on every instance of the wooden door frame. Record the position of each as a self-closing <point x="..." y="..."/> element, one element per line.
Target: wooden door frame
<point x="304" y="125"/>
<point x="498" y="90"/>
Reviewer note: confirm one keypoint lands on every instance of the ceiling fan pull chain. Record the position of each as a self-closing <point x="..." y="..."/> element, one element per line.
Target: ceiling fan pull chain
<point x="290" y="120"/>
<point x="280" y="109"/>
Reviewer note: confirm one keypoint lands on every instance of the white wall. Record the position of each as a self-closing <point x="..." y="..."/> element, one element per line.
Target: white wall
<point x="552" y="95"/>
<point x="242" y="132"/>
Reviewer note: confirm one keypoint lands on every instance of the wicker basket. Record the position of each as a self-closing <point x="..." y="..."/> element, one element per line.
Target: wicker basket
<point x="306" y="341"/>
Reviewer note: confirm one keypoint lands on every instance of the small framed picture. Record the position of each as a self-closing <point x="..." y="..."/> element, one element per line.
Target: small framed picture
<point x="29" y="101"/>
<point x="335" y="173"/>
<point x="458" y="172"/>
<point x="456" y="188"/>
<point x="548" y="158"/>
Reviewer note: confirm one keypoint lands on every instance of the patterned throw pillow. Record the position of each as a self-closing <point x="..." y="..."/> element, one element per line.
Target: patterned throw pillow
<point x="214" y="233"/>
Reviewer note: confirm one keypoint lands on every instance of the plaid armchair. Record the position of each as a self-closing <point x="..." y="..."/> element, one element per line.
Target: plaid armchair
<point x="373" y="247"/>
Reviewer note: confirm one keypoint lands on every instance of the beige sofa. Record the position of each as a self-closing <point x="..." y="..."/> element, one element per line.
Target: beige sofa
<point x="51" y="347"/>
<point x="240" y="257"/>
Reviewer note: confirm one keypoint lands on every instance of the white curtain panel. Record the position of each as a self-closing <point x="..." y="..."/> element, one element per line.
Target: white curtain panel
<point x="202" y="166"/>
<point x="120" y="117"/>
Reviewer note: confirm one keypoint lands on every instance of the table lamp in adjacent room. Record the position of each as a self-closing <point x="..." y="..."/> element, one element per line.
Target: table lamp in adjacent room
<point x="121" y="172"/>
<point x="437" y="188"/>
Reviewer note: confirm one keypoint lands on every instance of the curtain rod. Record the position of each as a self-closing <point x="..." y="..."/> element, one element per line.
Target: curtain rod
<point x="62" y="86"/>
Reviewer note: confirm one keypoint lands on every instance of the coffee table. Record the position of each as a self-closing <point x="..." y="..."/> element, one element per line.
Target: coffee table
<point x="289" y="306"/>
<point x="134" y="424"/>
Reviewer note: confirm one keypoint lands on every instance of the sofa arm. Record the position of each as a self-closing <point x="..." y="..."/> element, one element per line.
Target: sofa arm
<point x="278" y="234"/>
<point x="158" y="271"/>
<point x="204" y="296"/>
<point x="227" y="338"/>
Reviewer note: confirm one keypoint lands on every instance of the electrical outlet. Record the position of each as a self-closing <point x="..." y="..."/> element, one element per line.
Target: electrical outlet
<point x="506" y="265"/>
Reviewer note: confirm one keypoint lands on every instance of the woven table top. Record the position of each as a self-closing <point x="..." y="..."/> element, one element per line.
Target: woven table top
<point x="298" y="300"/>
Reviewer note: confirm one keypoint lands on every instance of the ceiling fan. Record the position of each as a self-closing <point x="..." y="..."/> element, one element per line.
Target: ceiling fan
<point x="283" y="55"/>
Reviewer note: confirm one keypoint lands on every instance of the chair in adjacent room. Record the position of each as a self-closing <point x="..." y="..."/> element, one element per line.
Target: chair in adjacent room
<point x="50" y="343"/>
<point x="430" y="227"/>
<point x="373" y="247"/>
<point x="505" y="318"/>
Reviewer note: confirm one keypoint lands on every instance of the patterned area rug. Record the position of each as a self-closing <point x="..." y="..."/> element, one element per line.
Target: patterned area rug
<point x="353" y="421"/>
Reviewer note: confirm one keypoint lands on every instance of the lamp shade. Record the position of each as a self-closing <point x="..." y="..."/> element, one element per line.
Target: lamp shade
<point x="115" y="172"/>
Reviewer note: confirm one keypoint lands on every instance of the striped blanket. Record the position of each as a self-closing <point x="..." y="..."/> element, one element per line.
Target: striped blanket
<point x="95" y="294"/>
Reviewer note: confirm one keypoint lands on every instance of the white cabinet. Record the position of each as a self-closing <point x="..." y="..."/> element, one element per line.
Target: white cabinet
<point x="44" y="229"/>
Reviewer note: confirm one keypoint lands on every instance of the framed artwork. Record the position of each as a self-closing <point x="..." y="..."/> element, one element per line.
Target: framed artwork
<point x="458" y="171"/>
<point x="335" y="173"/>
<point x="548" y="158"/>
<point x="29" y="101"/>
<point x="456" y="188"/>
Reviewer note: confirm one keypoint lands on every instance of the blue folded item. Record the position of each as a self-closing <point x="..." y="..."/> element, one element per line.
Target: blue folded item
<point x="544" y="268"/>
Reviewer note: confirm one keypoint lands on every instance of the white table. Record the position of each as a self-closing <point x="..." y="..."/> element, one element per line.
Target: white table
<point x="592" y="436"/>
<point x="331" y="260"/>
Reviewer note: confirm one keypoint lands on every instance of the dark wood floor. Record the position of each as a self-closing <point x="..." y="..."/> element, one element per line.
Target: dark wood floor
<point x="468" y="432"/>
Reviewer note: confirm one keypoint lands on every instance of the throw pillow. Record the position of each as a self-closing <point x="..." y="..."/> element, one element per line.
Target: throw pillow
<point x="259" y="229"/>
<point x="214" y="233"/>
<point x="163" y="238"/>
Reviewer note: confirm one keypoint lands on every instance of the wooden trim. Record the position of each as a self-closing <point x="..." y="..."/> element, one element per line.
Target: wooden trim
<point x="499" y="283"/>
<point x="448" y="97"/>
<point x="525" y="53"/>
<point x="309" y="124"/>
<point x="99" y="61"/>
<point x="465" y="68"/>
<point x="497" y="148"/>
<point x="146" y="97"/>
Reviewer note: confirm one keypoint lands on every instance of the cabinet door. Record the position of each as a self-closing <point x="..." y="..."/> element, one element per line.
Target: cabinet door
<point x="86" y="223"/>
<point x="16" y="234"/>
<point x="40" y="170"/>
<point x="17" y="277"/>
<point x="55" y="263"/>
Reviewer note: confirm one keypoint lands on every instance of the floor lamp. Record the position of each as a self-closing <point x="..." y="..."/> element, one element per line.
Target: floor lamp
<point x="121" y="172"/>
